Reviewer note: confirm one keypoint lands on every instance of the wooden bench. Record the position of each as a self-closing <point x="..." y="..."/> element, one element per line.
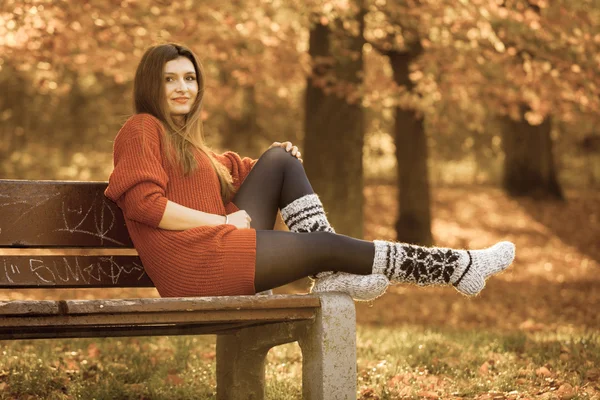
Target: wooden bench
<point x="65" y="234"/>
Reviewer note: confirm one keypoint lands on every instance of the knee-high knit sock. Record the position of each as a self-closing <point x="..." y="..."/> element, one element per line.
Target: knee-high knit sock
<point x="466" y="270"/>
<point x="306" y="214"/>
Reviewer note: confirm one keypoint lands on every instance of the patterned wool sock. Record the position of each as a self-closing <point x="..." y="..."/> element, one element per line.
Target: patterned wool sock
<point x="359" y="287"/>
<point x="306" y="214"/>
<point x="466" y="270"/>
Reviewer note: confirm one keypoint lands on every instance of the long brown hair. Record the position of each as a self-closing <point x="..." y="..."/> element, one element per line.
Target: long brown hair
<point x="150" y="97"/>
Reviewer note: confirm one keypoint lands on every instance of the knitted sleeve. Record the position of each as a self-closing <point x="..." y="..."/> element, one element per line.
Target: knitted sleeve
<point x="238" y="167"/>
<point x="138" y="181"/>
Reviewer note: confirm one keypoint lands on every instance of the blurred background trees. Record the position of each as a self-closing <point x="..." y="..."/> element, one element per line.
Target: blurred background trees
<point x="415" y="93"/>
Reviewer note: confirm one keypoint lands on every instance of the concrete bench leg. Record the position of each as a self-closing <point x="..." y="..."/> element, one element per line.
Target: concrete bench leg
<point x="328" y="354"/>
<point x="329" y="351"/>
<point x="241" y="359"/>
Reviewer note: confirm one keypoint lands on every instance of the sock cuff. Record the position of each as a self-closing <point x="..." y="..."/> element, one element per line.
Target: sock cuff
<point x="382" y="256"/>
<point x="306" y="214"/>
<point x="300" y="204"/>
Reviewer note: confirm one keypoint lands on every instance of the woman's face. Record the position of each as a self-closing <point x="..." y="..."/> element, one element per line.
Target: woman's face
<point x="181" y="85"/>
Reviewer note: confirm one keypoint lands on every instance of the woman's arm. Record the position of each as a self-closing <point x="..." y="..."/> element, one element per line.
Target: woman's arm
<point x="239" y="167"/>
<point x="138" y="181"/>
<point x="178" y="218"/>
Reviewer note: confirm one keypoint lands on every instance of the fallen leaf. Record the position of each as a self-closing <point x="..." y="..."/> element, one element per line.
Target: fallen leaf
<point x="72" y="366"/>
<point x="543" y="371"/>
<point x="405" y="391"/>
<point x="174" y="380"/>
<point x="565" y="392"/>
<point x="368" y="394"/>
<point x="593" y="374"/>
<point x="400" y="379"/>
<point x="93" y="351"/>
<point x="484" y="369"/>
<point x="547" y="396"/>
<point x="136" y="387"/>
<point x="531" y="326"/>
<point x="428" y="394"/>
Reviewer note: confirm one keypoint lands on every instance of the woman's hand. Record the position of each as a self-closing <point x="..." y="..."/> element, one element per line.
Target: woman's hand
<point x="289" y="148"/>
<point x="240" y="219"/>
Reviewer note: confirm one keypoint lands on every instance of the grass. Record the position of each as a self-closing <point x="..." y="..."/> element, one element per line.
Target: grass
<point x="406" y="362"/>
<point x="126" y="368"/>
<point x="417" y="362"/>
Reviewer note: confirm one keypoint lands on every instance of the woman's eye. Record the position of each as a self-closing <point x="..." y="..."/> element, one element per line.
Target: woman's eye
<point x="168" y="79"/>
<point x="191" y="78"/>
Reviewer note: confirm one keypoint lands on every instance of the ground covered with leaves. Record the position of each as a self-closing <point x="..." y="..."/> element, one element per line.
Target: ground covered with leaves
<point x="533" y="333"/>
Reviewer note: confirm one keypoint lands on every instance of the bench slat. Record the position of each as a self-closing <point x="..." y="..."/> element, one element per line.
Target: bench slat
<point x="217" y="303"/>
<point x="157" y="305"/>
<point x="38" y="307"/>
<point x="158" y="318"/>
<point x="59" y="213"/>
<point x="42" y="332"/>
<point x="72" y="272"/>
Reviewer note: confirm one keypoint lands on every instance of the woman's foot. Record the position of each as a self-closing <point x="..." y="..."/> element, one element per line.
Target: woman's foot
<point x="359" y="287"/>
<point x="466" y="270"/>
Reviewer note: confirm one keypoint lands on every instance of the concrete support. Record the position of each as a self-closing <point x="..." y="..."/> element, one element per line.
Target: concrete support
<point x="328" y="354"/>
<point x="329" y="351"/>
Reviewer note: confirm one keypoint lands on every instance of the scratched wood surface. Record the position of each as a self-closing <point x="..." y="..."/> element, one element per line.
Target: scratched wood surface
<point x="64" y="234"/>
<point x="72" y="272"/>
<point x="59" y="213"/>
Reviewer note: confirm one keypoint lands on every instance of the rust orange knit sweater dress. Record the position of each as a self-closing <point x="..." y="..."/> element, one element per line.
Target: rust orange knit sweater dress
<point x="203" y="261"/>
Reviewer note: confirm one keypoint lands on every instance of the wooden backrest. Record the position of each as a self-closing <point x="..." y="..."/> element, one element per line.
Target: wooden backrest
<point x="64" y="234"/>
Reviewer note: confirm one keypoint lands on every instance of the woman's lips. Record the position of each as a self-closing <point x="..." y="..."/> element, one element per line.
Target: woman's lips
<point x="181" y="100"/>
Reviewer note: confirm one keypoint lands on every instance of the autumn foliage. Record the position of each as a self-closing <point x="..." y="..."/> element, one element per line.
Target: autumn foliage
<point x="66" y="70"/>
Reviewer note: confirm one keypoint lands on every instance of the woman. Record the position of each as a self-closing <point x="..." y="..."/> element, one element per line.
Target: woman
<point x="202" y="222"/>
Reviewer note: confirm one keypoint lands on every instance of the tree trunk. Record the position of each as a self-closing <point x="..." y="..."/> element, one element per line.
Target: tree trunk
<point x="334" y="125"/>
<point x="241" y="132"/>
<point x="414" y="218"/>
<point x="528" y="160"/>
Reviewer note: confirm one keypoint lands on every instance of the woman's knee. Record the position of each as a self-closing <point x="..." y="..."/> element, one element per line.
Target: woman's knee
<point x="278" y="155"/>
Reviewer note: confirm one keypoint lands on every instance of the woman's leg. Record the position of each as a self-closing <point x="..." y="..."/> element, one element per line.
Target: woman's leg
<point x="283" y="257"/>
<point x="278" y="181"/>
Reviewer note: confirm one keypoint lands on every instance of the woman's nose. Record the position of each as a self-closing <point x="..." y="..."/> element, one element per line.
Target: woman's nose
<point x="181" y="86"/>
